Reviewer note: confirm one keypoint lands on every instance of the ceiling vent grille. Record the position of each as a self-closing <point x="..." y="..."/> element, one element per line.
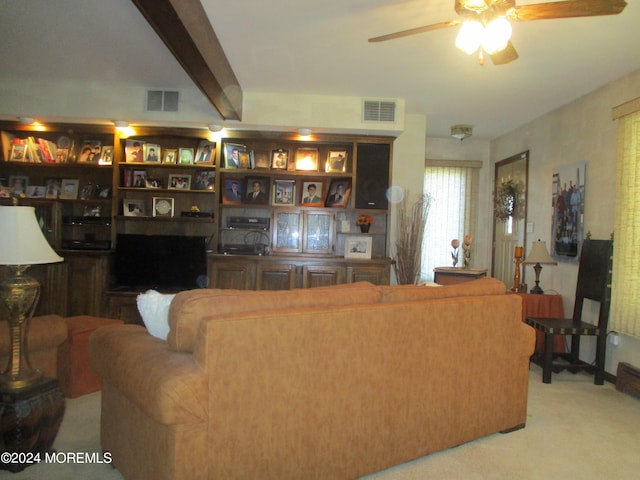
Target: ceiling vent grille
<point x="379" y="111"/>
<point x="162" y="101"/>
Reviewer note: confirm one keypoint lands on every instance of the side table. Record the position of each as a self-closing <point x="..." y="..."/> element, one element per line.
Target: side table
<point x="453" y="275"/>
<point x="543" y="306"/>
<point x="29" y="421"/>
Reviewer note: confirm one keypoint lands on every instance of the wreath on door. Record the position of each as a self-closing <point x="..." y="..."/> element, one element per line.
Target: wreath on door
<point x="505" y="200"/>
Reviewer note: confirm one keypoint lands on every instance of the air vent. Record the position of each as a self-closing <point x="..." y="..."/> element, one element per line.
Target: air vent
<point x="162" y="101"/>
<point x="377" y="111"/>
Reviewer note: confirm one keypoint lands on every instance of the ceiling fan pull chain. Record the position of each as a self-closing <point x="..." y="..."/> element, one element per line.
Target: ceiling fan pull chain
<point x="481" y="57"/>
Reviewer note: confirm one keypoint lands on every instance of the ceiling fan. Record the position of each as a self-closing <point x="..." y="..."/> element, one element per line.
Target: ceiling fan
<point x="485" y="26"/>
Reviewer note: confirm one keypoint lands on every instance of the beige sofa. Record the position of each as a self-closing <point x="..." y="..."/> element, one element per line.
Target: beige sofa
<point x="323" y="383"/>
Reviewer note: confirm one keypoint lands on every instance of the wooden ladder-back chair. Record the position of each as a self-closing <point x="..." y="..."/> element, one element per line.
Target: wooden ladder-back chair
<point x="594" y="283"/>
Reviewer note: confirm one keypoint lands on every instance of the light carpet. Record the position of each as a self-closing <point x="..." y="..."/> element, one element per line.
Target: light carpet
<point x="575" y="430"/>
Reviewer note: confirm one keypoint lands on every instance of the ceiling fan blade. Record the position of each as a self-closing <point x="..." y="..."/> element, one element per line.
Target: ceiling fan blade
<point x="567" y="9"/>
<point x="508" y="54"/>
<point x="414" y="31"/>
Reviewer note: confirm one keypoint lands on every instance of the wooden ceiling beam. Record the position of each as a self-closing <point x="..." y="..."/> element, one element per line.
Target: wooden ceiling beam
<point x="185" y="29"/>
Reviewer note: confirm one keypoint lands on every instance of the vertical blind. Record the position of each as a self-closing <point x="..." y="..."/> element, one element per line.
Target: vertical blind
<point x="625" y="299"/>
<point x="453" y="187"/>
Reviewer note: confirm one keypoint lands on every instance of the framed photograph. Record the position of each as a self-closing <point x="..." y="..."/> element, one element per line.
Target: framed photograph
<point x="318" y="232"/>
<point x="185" y="156"/>
<point x="307" y="159"/>
<point x="205" y="180"/>
<point x="36" y="191"/>
<point x="339" y="192"/>
<point x="257" y="191"/>
<point x="163" y="206"/>
<point x="312" y="193"/>
<point x="133" y="151"/>
<point x="287" y="234"/>
<point x="69" y="188"/>
<point x="153" y="182"/>
<point x="233" y="191"/>
<point x="87" y="192"/>
<point x="106" y="156"/>
<point x="103" y="191"/>
<point x="53" y="187"/>
<point x="139" y="178"/>
<point x="90" y="151"/>
<point x="279" y="158"/>
<point x="133" y="208"/>
<point x="245" y="159"/>
<point x="170" y="156"/>
<point x="179" y="182"/>
<point x="336" y="161"/>
<point x="260" y="160"/>
<point x="151" y="153"/>
<point x="232" y="155"/>
<point x="18" y="184"/>
<point x="284" y="193"/>
<point x="358" y="247"/>
<point x="18" y="152"/>
<point x="205" y="153"/>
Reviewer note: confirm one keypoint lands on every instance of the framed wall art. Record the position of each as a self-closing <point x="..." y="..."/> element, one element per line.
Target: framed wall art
<point x="279" y="159"/>
<point x="232" y="155"/>
<point x="284" y="193"/>
<point x="307" y="159"/>
<point x="336" y="161"/>
<point x="205" y="153"/>
<point x="312" y="193"/>
<point x="358" y="247"/>
<point x="151" y="153"/>
<point x="163" y="207"/>
<point x="339" y="192"/>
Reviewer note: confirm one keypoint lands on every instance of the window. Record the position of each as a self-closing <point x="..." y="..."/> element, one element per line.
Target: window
<point x="453" y="186"/>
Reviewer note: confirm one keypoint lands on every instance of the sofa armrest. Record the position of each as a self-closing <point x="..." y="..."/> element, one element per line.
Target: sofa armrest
<point x="168" y="386"/>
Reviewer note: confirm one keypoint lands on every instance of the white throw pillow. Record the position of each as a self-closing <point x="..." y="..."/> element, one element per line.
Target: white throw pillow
<point x="154" y="309"/>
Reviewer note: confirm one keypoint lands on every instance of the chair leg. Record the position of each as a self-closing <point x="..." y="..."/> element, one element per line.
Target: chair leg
<point x="547" y="358"/>
<point x="601" y="345"/>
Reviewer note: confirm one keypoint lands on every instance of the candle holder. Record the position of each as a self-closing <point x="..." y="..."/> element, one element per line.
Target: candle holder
<point x="516" y="274"/>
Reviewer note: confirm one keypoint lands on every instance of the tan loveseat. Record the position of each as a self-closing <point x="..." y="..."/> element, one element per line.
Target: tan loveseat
<point x="323" y="383"/>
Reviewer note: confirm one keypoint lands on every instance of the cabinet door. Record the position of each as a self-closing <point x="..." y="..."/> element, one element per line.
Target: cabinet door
<point x="86" y="281"/>
<point x="377" y="274"/>
<point x="322" y="275"/>
<point x="275" y="276"/>
<point x="124" y="307"/>
<point x="233" y="274"/>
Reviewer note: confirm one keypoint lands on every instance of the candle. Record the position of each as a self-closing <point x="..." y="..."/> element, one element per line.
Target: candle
<point x="519" y="252"/>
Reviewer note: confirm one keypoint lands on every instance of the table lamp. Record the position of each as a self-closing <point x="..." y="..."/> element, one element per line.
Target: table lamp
<point x="538" y="256"/>
<point x="23" y="245"/>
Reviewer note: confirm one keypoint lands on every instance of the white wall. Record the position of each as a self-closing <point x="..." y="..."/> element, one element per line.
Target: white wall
<point x="580" y="131"/>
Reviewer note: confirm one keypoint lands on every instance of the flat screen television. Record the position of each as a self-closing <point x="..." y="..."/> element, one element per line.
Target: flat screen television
<point x="159" y="262"/>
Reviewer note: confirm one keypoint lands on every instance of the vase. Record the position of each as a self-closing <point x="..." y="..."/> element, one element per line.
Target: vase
<point x="365" y="228"/>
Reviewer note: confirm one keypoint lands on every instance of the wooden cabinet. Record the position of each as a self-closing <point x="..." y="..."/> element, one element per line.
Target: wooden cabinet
<point x="86" y="282"/>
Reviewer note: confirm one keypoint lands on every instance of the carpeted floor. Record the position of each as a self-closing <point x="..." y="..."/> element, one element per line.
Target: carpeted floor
<point x="574" y="430"/>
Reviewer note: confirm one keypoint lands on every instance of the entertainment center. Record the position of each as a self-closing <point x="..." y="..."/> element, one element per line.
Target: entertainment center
<point x="178" y="208"/>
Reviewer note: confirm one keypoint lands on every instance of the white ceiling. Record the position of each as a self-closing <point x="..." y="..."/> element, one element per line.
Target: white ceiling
<point x="320" y="47"/>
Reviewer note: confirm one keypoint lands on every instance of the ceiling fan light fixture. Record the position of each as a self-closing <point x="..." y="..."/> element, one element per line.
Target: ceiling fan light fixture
<point x="496" y="35"/>
<point x="470" y="36"/>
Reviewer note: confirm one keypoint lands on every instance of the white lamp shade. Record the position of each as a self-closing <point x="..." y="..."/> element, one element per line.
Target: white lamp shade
<point x="21" y="240"/>
<point x="539" y="254"/>
<point x="470" y="36"/>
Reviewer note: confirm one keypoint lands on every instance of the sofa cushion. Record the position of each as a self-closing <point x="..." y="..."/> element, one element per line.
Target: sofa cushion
<point x="190" y="307"/>
<point x="154" y="310"/>
<point x="407" y="293"/>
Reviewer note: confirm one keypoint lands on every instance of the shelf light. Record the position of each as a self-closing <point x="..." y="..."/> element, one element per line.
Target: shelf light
<point x="26" y="120"/>
<point x="215" y="128"/>
<point x="121" y="124"/>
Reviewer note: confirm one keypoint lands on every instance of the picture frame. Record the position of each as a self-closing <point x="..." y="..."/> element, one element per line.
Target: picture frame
<point x="139" y="179"/>
<point x="233" y="191"/>
<point x="90" y="151"/>
<point x="358" y="247"/>
<point x="257" y="191"/>
<point x="260" y="160"/>
<point x="133" y="151"/>
<point x="69" y="188"/>
<point x="18" y="184"/>
<point x="185" y="156"/>
<point x="244" y="159"/>
<point x="133" y="208"/>
<point x="284" y="193"/>
<point x="279" y="159"/>
<point x="336" y="161"/>
<point x="307" y="159"/>
<point x="287" y="234"/>
<point x="18" y="152"/>
<point x="179" y="182"/>
<point x="318" y="232"/>
<point x="232" y="154"/>
<point x="87" y="192"/>
<point x="339" y="193"/>
<point x="53" y="187"/>
<point x="103" y="192"/>
<point x="312" y="193"/>
<point x="36" y="191"/>
<point x="106" y="155"/>
<point x="205" y="180"/>
<point x="163" y="206"/>
<point x="152" y="153"/>
<point x="205" y="153"/>
<point x="170" y="156"/>
<point x="153" y="182"/>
